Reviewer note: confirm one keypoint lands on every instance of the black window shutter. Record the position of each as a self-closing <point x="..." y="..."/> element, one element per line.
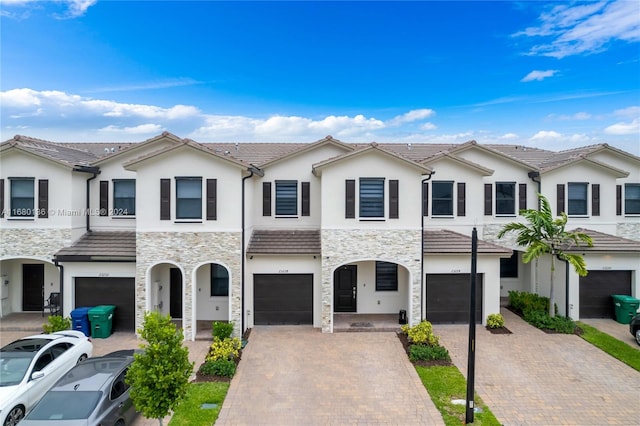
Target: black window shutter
<point x="306" y="198"/>
<point x="350" y="199"/>
<point x="462" y="198"/>
<point x="618" y="200"/>
<point x="1" y="197"/>
<point x="595" y="199"/>
<point x="43" y="198"/>
<point x="559" y="198"/>
<point x="212" y="199"/>
<point x="394" y="202"/>
<point x="165" y="199"/>
<point x="266" y="198"/>
<point x="104" y="198"/>
<point x="488" y="199"/>
<point x="425" y="198"/>
<point x="522" y="196"/>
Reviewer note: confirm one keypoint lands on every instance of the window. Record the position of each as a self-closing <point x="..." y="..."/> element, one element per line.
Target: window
<point x="124" y="197"/>
<point x="286" y="197"/>
<point x="372" y="197"/>
<point x="189" y="198"/>
<point x="386" y="276"/>
<point x="22" y="197"/>
<point x="632" y="198"/>
<point x="505" y="198"/>
<point x="442" y="198"/>
<point x="577" y="199"/>
<point x="509" y="267"/>
<point x="219" y="280"/>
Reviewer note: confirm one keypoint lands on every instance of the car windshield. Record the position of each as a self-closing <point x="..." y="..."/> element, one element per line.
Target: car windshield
<point x="55" y="405"/>
<point x="13" y="367"/>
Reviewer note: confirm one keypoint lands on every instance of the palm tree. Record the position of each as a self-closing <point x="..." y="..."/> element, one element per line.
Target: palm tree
<point x="545" y="235"/>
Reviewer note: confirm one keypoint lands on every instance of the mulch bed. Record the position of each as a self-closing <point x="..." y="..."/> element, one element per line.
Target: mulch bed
<point x="500" y="330"/>
<point x="577" y="331"/>
<point x="405" y="344"/>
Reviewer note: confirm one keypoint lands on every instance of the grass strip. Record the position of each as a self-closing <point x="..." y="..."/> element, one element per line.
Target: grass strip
<point x="190" y="413"/>
<point x="445" y="384"/>
<point x="614" y="347"/>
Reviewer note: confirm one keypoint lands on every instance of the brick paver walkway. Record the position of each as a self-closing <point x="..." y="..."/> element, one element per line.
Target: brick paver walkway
<point x="534" y="378"/>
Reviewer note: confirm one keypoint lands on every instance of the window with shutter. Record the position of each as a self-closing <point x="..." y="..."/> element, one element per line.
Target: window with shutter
<point x="618" y="200"/>
<point x="425" y="198"/>
<point x="104" y="198"/>
<point x="632" y="198"/>
<point x="286" y="198"/>
<point x="1" y="197"/>
<point x="371" y="197"/>
<point x="22" y="197"/>
<point x="488" y="199"/>
<point x="266" y="198"/>
<point x="350" y="199"/>
<point x="124" y="197"/>
<point x="442" y="198"/>
<point x="306" y="198"/>
<point x="522" y="196"/>
<point x="505" y="198"/>
<point x="188" y="198"/>
<point x="386" y="276"/>
<point x="577" y="199"/>
<point x="462" y="199"/>
<point x="595" y="199"/>
<point x="559" y="198"/>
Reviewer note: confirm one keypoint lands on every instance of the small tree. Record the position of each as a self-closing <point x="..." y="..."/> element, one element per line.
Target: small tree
<point x="159" y="376"/>
<point x="545" y="235"/>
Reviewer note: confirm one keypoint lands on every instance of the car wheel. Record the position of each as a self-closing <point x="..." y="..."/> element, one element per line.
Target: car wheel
<point x="119" y="423"/>
<point x="638" y="336"/>
<point x="82" y="358"/>
<point x="15" y="415"/>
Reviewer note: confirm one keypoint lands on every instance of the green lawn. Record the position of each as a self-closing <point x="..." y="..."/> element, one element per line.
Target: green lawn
<point x="614" y="347"/>
<point x="190" y="412"/>
<point x="445" y="384"/>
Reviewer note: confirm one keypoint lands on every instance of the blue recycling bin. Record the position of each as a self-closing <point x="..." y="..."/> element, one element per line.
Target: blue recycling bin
<point x="80" y="320"/>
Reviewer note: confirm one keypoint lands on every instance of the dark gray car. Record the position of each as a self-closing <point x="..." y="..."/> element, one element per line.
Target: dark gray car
<point x="634" y="328"/>
<point x="92" y="393"/>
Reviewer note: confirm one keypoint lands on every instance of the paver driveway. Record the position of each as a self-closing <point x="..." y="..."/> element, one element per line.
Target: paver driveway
<point x="300" y="376"/>
<point x="533" y="378"/>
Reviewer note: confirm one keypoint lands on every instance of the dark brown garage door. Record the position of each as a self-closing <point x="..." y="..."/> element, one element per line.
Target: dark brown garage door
<point x="448" y="298"/>
<point x="596" y="290"/>
<point x="110" y="291"/>
<point x="280" y="299"/>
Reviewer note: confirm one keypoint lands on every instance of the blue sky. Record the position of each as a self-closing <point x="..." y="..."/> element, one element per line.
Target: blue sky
<point x="554" y="75"/>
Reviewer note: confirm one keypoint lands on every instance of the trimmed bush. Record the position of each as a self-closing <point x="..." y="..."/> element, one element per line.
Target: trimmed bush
<point x="227" y="349"/>
<point x="222" y="330"/>
<point x="421" y="334"/>
<point x="428" y="353"/>
<point x="522" y="302"/>
<point x="495" y="321"/>
<point x="56" y="323"/>
<point x="220" y="367"/>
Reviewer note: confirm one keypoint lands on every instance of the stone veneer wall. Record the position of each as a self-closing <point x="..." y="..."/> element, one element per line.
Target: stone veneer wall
<point x="33" y="242"/>
<point x="490" y="235"/>
<point x="189" y="249"/>
<point x="340" y="246"/>
<point x="629" y="230"/>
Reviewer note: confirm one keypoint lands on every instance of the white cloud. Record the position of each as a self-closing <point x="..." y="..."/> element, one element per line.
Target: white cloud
<point x="546" y="134"/>
<point x="624" y="128"/>
<point x="70" y="8"/>
<point x="632" y="112"/>
<point x="143" y="129"/>
<point x="411" y="116"/>
<point x="428" y="126"/>
<point x="538" y="75"/>
<point x="508" y="136"/>
<point x="584" y="28"/>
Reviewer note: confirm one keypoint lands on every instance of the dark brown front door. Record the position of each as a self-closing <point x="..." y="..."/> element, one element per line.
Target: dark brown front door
<point x="175" y="296"/>
<point x="32" y="286"/>
<point x="344" y="289"/>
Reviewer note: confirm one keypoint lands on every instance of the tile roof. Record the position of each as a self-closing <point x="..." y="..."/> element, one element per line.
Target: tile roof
<point x="445" y="242"/>
<point x="284" y="242"/>
<point x="60" y="153"/>
<point x="101" y="245"/>
<point x="606" y="242"/>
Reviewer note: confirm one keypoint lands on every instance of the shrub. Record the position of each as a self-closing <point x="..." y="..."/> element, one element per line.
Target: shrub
<point x="226" y="349"/>
<point x="56" y="323"/>
<point x="220" y="367"/>
<point x="222" y="330"/>
<point x="522" y="301"/>
<point x="428" y="353"/>
<point x="422" y="334"/>
<point x="495" y="321"/>
<point x="542" y="320"/>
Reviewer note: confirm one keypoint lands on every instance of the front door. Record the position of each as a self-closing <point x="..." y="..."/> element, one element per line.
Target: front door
<point x="344" y="289"/>
<point x="32" y="287"/>
<point x="175" y="296"/>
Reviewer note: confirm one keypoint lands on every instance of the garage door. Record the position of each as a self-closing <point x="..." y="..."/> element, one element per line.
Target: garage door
<point x="596" y="290"/>
<point x="448" y="298"/>
<point x="283" y="299"/>
<point x="110" y="291"/>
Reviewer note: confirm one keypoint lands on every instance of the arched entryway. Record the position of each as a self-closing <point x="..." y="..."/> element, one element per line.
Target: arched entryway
<point x="212" y="288"/>
<point x="166" y="289"/>
<point x="26" y="283"/>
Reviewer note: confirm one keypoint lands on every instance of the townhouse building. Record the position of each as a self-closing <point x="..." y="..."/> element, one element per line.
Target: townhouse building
<point x="299" y="233"/>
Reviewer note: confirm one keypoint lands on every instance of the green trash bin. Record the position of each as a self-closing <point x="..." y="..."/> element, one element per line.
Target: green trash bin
<point x="101" y="318"/>
<point x="625" y="307"/>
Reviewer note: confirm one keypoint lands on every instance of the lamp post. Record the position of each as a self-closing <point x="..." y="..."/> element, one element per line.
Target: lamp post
<point x="471" y="358"/>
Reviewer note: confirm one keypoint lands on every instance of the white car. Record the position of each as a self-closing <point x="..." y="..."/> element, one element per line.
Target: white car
<point x="30" y="366"/>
